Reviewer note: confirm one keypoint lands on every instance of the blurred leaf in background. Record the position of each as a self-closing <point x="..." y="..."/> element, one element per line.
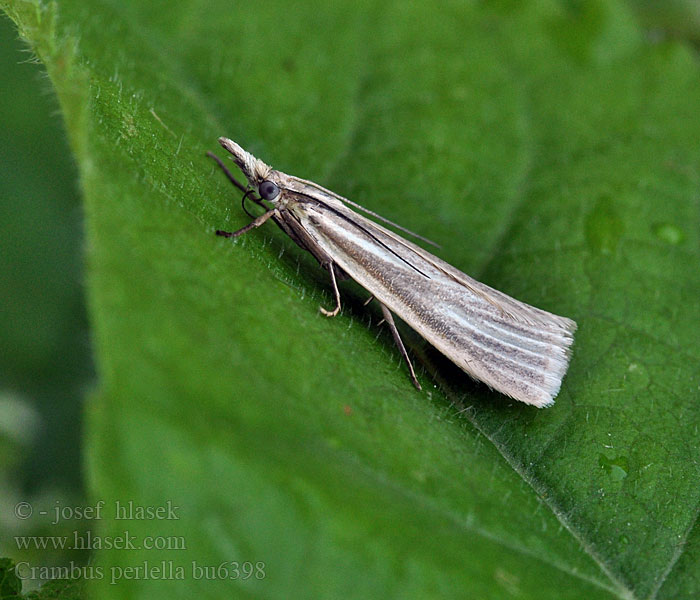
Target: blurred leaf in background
<point x="551" y="147"/>
<point x="45" y="362"/>
<point x="56" y="589"/>
<point x="674" y="18"/>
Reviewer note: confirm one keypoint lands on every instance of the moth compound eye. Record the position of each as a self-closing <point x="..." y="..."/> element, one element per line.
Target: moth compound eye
<point x="268" y="190"/>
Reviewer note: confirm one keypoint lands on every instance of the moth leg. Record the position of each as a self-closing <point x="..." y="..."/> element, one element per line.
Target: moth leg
<point x="336" y="310"/>
<point x="397" y="338"/>
<point x="252" y="225"/>
<point x="366" y="302"/>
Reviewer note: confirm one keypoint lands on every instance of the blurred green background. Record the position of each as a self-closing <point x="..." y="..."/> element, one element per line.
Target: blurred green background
<point x="45" y="362"/>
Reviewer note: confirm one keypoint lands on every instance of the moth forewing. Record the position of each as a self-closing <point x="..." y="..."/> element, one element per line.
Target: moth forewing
<point x="515" y="348"/>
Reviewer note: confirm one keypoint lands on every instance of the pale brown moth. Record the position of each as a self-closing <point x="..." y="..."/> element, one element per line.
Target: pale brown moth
<point x="513" y="347"/>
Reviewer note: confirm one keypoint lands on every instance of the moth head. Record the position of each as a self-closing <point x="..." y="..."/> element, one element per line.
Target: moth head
<point x="255" y="170"/>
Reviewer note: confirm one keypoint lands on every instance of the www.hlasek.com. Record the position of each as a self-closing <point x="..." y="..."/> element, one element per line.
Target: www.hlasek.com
<point x="147" y="570"/>
<point x="87" y="540"/>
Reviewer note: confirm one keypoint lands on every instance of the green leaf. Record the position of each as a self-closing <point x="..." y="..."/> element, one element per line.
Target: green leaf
<point x="10" y="584"/>
<point x="57" y="589"/>
<point x="550" y="147"/>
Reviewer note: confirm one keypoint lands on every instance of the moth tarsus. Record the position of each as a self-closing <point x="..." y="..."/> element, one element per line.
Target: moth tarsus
<point x="336" y="291"/>
<point x="515" y="348"/>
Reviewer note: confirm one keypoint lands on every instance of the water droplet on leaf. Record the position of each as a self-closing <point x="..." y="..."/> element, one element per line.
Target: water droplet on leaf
<point x="668" y="233"/>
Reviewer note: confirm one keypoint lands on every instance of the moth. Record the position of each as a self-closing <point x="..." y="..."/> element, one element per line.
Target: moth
<point x="514" y="348"/>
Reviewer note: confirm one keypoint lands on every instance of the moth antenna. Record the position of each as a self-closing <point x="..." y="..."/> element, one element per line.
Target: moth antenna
<point x="388" y="222"/>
